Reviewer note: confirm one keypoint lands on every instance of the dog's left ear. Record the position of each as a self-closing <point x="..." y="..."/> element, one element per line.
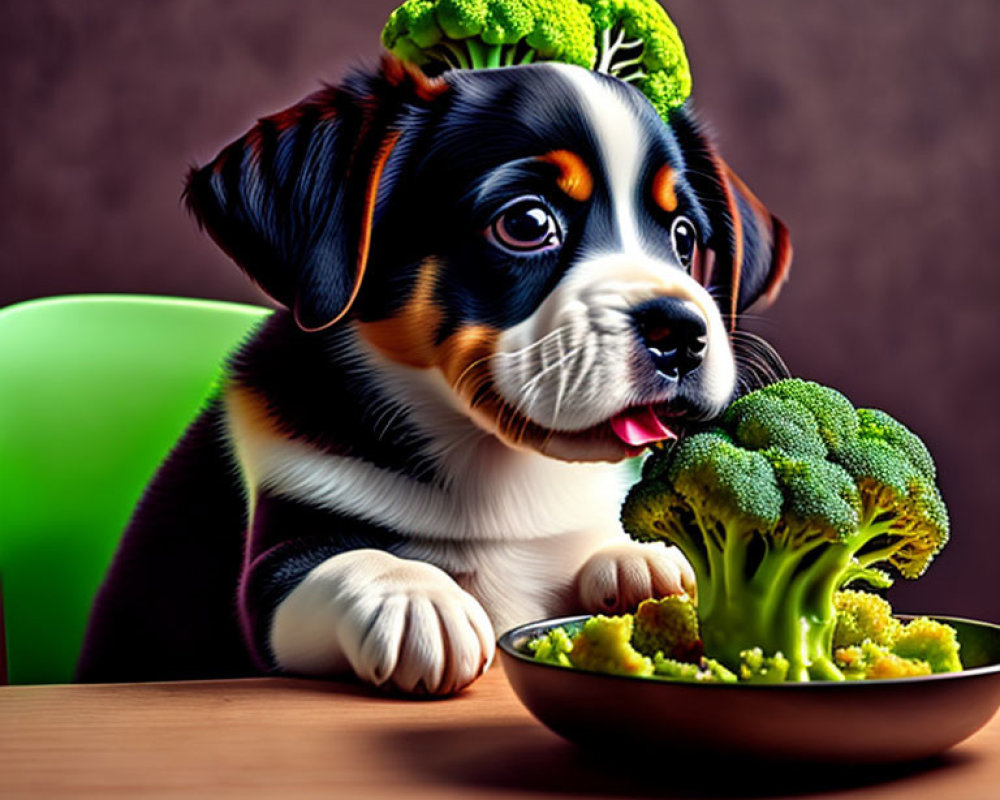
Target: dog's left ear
<point x="292" y="202"/>
<point x="751" y="247"/>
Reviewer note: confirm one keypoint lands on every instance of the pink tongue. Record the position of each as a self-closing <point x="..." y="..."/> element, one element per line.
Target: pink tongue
<point x="639" y="426"/>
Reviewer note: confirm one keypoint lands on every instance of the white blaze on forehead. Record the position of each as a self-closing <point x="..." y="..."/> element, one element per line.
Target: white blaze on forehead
<point x="621" y="141"/>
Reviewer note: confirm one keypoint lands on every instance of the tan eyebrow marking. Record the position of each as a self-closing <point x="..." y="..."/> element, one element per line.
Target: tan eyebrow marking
<point x="664" y="194"/>
<point x="574" y="178"/>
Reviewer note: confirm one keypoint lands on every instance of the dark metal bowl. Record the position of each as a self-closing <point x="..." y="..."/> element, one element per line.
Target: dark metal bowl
<point x="847" y="722"/>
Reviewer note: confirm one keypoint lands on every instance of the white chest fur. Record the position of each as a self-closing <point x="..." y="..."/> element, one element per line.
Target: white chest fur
<point x="513" y="527"/>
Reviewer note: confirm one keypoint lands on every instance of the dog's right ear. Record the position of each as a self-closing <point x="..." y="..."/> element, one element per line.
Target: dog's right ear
<point x="751" y="247"/>
<point x="292" y="202"/>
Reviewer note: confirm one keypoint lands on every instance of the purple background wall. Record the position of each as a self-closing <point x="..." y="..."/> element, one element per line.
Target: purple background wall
<point x="872" y="128"/>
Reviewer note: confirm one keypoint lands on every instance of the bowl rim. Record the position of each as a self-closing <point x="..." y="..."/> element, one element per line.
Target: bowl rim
<point x="506" y="645"/>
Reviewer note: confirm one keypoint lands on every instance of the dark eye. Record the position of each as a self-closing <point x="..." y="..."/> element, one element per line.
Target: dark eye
<point x="685" y="240"/>
<point x="526" y="226"/>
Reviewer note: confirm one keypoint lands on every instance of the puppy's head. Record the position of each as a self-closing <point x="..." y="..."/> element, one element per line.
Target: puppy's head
<point x="567" y="265"/>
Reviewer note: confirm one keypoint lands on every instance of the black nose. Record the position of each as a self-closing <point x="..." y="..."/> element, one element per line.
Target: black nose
<point x="673" y="331"/>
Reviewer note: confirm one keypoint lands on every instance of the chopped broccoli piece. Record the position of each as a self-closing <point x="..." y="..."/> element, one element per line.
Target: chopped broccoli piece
<point x="790" y="497"/>
<point x="755" y="667"/>
<point x="705" y="670"/>
<point x="553" y="648"/>
<point x="870" y="661"/>
<point x="477" y="34"/>
<point x="604" y="645"/>
<point x="879" y="646"/>
<point x="668" y="626"/>
<point x="929" y="641"/>
<point x="673" y="669"/>
<point x="863" y="616"/>
<point x="716" y="671"/>
<point x="894" y="666"/>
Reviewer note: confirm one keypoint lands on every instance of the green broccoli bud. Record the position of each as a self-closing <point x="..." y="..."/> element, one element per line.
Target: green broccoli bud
<point x="553" y="648"/>
<point x="706" y="670"/>
<point x="672" y="669"/>
<point x="479" y="34"/>
<point x="793" y="495"/>
<point x="755" y="667"/>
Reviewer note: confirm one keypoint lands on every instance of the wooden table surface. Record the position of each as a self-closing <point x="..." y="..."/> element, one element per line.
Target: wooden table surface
<point x="281" y="738"/>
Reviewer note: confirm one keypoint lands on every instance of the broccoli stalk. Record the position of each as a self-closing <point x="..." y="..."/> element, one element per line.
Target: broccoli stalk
<point x="794" y="495"/>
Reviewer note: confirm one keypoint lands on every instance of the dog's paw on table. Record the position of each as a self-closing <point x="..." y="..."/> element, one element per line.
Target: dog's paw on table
<point x="401" y="624"/>
<point x="617" y="578"/>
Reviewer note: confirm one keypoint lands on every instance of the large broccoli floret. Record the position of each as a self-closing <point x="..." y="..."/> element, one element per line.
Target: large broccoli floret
<point x="475" y="34"/>
<point x="639" y="44"/>
<point x="792" y="496"/>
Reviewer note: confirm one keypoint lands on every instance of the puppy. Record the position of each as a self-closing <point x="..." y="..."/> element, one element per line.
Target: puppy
<point x="497" y="286"/>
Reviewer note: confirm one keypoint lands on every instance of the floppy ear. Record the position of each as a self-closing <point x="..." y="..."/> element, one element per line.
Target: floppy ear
<point x="752" y="249"/>
<point x="292" y="202"/>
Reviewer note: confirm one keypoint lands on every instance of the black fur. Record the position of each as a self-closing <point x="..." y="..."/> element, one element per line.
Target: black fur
<point x="193" y="585"/>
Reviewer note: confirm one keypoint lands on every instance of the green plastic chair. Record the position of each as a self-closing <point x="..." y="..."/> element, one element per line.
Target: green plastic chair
<point x="94" y="391"/>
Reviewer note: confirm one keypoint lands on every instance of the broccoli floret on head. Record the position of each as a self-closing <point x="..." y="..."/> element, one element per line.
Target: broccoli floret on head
<point x="638" y="43"/>
<point x="477" y="34"/>
<point x="793" y="495"/>
<point x="633" y="40"/>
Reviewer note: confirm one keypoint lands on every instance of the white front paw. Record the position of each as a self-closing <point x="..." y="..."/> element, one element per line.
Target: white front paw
<point x="398" y="623"/>
<point x="617" y="578"/>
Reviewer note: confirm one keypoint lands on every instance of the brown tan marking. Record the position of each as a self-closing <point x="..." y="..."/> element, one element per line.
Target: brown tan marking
<point x="396" y="73"/>
<point x="574" y="177"/>
<point x="664" y="193"/>
<point x="737" y="231"/>
<point x="781" y="262"/>
<point x="781" y="243"/>
<point x="250" y="410"/>
<point x="408" y="336"/>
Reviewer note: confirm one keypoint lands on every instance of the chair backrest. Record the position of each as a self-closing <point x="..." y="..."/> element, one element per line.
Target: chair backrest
<point x="94" y="390"/>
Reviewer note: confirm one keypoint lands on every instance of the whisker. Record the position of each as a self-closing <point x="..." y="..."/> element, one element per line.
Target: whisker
<point x="758" y="363"/>
<point x="562" y="387"/>
<point x="512" y="354"/>
<point x="534" y="380"/>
